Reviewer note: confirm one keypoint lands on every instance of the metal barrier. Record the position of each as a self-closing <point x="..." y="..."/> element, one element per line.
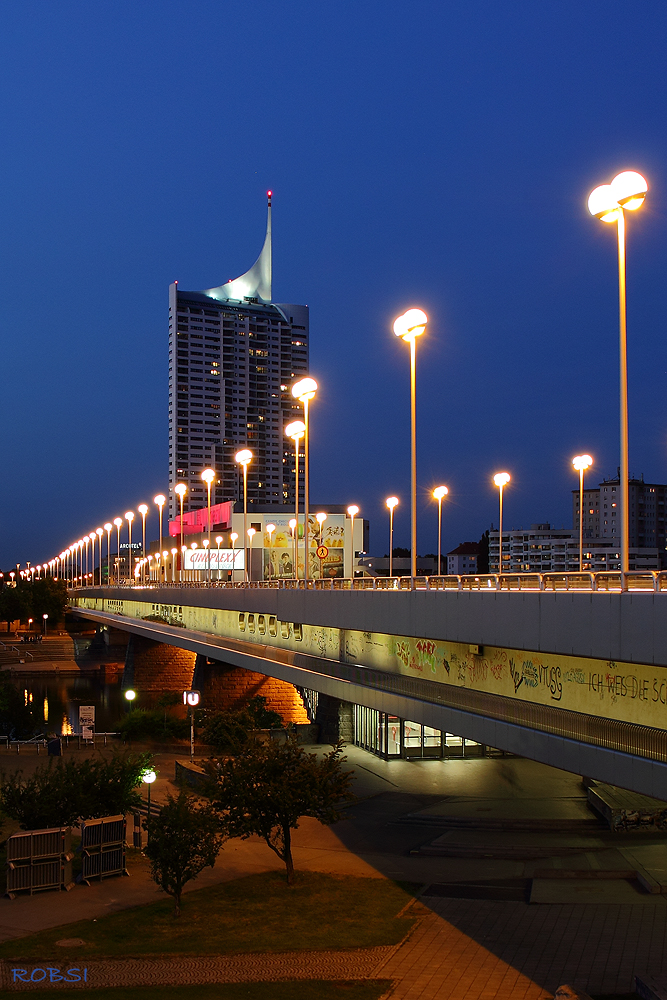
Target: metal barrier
<point x="613" y="581"/>
<point x="39" y="859"/>
<point x="103" y="848"/>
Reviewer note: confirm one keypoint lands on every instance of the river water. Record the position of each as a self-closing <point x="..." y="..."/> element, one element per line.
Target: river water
<point x="55" y="700"/>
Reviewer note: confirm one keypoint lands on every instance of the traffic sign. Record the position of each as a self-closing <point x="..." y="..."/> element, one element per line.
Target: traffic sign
<point x="322" y="551"/>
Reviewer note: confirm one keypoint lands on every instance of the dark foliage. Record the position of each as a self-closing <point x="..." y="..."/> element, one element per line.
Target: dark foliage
<point x="184" y="838"/>
<point x="62" y="792"/>
<point x="18" y="720"/>
<point x="483" y="555"/>
<point x="153" y="724"/>
<point x="232" y="730"/>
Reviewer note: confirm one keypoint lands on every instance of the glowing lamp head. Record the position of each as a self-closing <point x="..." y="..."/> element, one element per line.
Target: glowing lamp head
<point x="353" y="510"/>
<point x="251" y="532"/>
<point x="130" y="695"/>
<point x="270" y="528"/>
<point x="234" y="537"/>
<point x="148" y="777"/>
<point x="439" y="492"/>
<point x="129" y="516"/>
<point x="108" y="526"/>
<point x="118" y="521"/>
<point x="91" y="536"/>
<point x="292" y="523"/>
<point x="174" y="552"/>
<point x="629" y="189"/>
<point x="391" y="502"/>
<point x="205" y="543"/>
<point x="295" y="430"/>
<point x="160" y="500"/>
<point x="501" y="479"/>
<point x="582" y="462"/>
<point x="193" y="545"/>
<point x="218" y="539"/>
<point x="180" y="489"/>
<point x="208" y="475"/>
<point x="603" y="205"/>
<point x="411" y="324"/>
<point x="243" y="457"/>
<point x="143" y="509"/>
<point x="99" y="532"/>
<point x="304" y="389"/>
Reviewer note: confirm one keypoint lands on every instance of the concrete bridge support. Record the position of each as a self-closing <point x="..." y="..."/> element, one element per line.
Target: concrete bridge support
<point x="224" y="686"/>
<point x="154" y="667"/>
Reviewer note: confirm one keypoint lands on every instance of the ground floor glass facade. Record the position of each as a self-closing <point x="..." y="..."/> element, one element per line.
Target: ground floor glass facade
<point x="389" y="737"/>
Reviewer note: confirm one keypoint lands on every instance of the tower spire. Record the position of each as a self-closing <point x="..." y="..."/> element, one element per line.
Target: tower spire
<point x="255" y="283"/>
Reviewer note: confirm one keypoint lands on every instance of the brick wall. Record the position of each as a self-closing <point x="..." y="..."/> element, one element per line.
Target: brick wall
<point x="154" y="667"/>
<point x="227" y="687"/>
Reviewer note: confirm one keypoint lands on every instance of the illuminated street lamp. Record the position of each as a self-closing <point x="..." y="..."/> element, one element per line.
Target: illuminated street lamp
<point x="270" y="528"/>
<point x="118" y="522"/>
<point x="143" y="510"/>
<point x="304" y="390"/>
<point x="251" y="532"/>
<point x="99" y="532"/>
<point x="243" y="458"/>
<point x="208" y="475"/>
<point x="129" y="517"/>
<point x="148" y="777"/>
<point x="218" y="539"/>
<point x="439" y="493"/>
<point x="501" y="479"/>
<point x="581" y="463"/>
<point x="108" y="527"/>
<point x="352" y="510"/>
<point x="391" y="502"/>
<point x="409" y="326"/>
<point x="180" y="489"/>
<point x="293" y="523"/>
<point x="161" y="500"/>
<point x="174" y="553"/>
<point x="609" y="203"/>
<point x="296" y="430"/>
<point x="193" y="546"/>
<point x="86" y="542"/>
<point x="233" y="539"/>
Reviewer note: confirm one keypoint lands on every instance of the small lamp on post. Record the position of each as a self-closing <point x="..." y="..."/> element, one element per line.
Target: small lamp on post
<point x="191" y="699"/>
<point x="352" y="511"/>
<point x="439" y="493"/>
<point x="130" y="695"/>
<point x="218" y="539"/>
<point x="391" y="502"/>
<point x="208" y="475"/>
<point x="251" y="532"/>
<point x="143" y="510"/>
<point x="45" y="617"/>
<point x="118" y="521"/>
<point x="244" y="458"/>
<point x="180" y="489"/>
<point x="581" y="463"/>
<point x="296" y="430"/>
<point x="304" y="390"/>
<point x="160" y="500"/>
<point x="501" y="479"/>
<point x="148" y="777"/>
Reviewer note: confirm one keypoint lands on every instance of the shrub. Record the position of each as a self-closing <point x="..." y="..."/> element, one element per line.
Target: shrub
<point x="154" y="724"/>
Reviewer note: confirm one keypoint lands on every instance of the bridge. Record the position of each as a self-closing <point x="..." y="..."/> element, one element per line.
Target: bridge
<point x="569" y="671"/>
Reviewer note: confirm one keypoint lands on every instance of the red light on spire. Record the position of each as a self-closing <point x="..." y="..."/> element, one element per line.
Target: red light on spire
<point x="269" y="193"/>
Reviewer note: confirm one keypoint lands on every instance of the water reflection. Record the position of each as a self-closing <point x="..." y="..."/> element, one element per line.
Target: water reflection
<point x="58" y="698"/>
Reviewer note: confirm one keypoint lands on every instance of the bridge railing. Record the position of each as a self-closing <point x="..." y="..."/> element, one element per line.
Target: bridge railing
<point x="650" y="581"/>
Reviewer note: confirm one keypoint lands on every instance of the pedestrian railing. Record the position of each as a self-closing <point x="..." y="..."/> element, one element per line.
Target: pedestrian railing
<point x="651" y="581"/>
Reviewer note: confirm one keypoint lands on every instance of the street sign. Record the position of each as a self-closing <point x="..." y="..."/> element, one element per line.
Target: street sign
<point x="86" y="717"/>
<point x="322" y="551"/>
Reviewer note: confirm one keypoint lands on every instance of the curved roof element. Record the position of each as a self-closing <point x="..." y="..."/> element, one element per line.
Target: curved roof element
<point x="255" y="283"/>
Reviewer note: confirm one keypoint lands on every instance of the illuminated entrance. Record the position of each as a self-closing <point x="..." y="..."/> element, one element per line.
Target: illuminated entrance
<point x="389" y="737"/>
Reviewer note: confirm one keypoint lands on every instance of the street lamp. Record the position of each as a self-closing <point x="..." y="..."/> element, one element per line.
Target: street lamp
<point x="161" y="500"/>
<point x="233" y="538"/>
<point x="293" y="523"/>
<point x="296" y="430"/>
<point x="304" y="390"/>
<point x="208" y="475"/>
<point x="243" y="458"/>
<point x="251" y="532"/>
<point x="352" y="510"/>
<point x="118" y="521"/>
<point x="86" y="542"/>
<point x="108" y="527"/>
<point x="581" y="463"/>
<point x="148" y="777"/>
<point x="218" y="539"/>
<point x="129" y="517"/>
<point x="501" y="479"/>
<point x="391" y="502"/>
<point x="438" y="493"/>
<point x="270" y="528"/>
<point x="409" y="326"/>
<point x="45" y="617"/>
<point x="99" y="532"/>
<point x="174" y="553"/>
<point x="609" y="203"/>
<point x="143" y="510"/>
<point x="181" y="489"/>
<point x="193" y="546"/>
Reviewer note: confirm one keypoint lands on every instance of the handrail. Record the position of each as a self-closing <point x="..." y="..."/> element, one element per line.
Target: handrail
<point x="608" y="581"/>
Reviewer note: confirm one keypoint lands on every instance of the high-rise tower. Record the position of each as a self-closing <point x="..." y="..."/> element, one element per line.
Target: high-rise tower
<point x="233" y="355"/>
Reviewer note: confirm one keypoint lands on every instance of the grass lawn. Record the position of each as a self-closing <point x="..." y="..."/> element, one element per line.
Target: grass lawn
<point x="258" y="913"/>
<point x="309" y="989"/>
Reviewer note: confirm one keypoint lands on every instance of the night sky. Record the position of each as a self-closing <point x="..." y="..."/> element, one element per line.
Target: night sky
<point x="434" y="153"/>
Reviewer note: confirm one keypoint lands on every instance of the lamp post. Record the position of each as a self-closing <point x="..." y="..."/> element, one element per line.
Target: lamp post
<point x="99" y="532"/>
<point x="180" y="489"/>
<point x="233" y="538"/>
<point x="208" y="475"/>
<point x="129" y="517"/>
<point x="218" y="539"/>
<point x="320" y="518"/>
<point x="270" y="528"/>
<point x="93" y="539"/>
<point x="581" y="463"/>
<point x="501" y="479"/>
<point x="108" y="527"/>
<point x="174" y="553"/>
<point x="409" y="326"/>
<point x="391" y="503"/>
<point x="118" y="521"/>
<point x="251" y="532"/>
<point x="86" y="542"/>
<point x="45" y="617"/>
<point x="304" y="390"/>
<point x="438" y="493"/>
<point x="295" y="430"/>
<point x="148" y="777"/>
<point x="294" y="524"/>
<point x="193" y="546"/>
<point x="161" y="500"/>
<point x="243" y="458"/>
<point x="609" y="203"/>
<point x="143" y="510"/>
<point x="352" y="510"/>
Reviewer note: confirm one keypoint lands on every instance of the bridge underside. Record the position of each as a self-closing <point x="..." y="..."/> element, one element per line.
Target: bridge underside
<point x="595" y="717"/>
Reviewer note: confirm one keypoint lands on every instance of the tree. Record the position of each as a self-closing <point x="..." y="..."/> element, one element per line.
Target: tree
<point x="231" y="730"/>
<point x="63" y="792"/>
<point x="184" y="839"/>
<point x="15" y="604"/>
<point x="270" y="786"/>
<point x="48" y="596"/>
<point x="18" y="717"/>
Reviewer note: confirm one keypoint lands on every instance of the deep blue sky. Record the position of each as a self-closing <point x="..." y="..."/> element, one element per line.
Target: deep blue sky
<point x="433" y="153"/>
